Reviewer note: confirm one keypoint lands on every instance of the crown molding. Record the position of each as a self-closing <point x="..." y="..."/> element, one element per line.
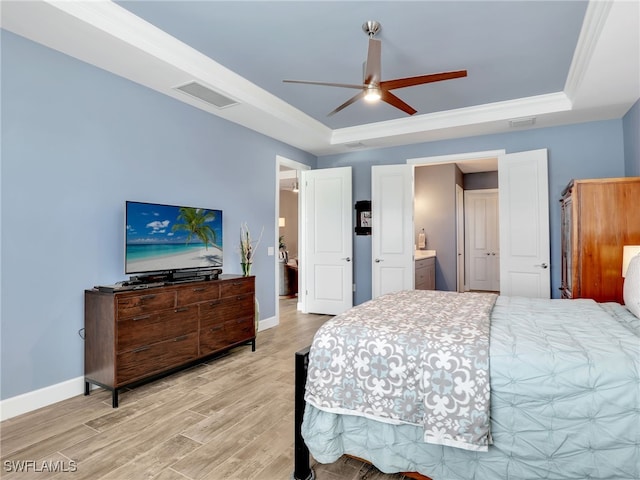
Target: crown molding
<point x="462" y="117"/>
<point x="594" y="21"/>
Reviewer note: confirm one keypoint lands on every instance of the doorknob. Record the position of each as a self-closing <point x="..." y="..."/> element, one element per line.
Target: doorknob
<point x="378" y="260"/>
<point x="348" y="259"/>
<point x="543" y="265"/>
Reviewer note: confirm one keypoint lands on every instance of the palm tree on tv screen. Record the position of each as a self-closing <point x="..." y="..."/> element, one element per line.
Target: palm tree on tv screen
<point x="195" y="221"/>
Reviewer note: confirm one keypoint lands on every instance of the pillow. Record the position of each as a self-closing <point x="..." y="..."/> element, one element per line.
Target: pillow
<point x="631" y="291"/>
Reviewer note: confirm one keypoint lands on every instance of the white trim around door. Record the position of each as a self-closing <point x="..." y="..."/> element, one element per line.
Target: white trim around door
<point x="285" y="162"/>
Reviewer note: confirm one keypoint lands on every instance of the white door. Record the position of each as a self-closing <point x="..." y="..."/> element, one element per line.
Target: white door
<point x="459" y="239"/>
<point x="327" y="236"/>
<point x="482" y="239"/>
<point x="524" y="224"/>
<point x="392" y="232"/>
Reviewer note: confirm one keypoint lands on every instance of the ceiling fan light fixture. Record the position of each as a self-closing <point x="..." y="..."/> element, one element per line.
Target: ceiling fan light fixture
<point x="373" y="93"/>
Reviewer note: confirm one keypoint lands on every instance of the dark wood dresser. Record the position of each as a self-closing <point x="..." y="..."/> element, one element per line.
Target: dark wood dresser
<point x="598" y="217"/>
<point x="136" y="335"/>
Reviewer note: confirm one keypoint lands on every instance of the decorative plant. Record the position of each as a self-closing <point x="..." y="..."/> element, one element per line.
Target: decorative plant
<point x="247" y="248"/>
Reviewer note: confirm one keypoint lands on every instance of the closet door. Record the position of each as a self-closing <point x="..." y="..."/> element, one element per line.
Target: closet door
<point x="482" y="233"/>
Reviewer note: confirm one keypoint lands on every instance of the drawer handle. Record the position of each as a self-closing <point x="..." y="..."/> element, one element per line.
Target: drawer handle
<point x="149" y="297"/>
<point x="213" y="304"/>
<point x="215" y="329"/>
<point x="141" y="349"/>
<point x="183" y="309"/>
<point x="142" y="317"/>
<point x="180" y="338"/>
<point x="237" y="283"/>
<point x="200" y="289"/>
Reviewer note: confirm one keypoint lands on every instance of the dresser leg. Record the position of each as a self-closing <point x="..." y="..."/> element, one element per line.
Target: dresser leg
<point x="114" y="398"/>
<point x="253" y="345"/>
<point x="87" y="388"/>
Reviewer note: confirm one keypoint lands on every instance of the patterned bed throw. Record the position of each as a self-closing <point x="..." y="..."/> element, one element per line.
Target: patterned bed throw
<point x="418" y="357"/>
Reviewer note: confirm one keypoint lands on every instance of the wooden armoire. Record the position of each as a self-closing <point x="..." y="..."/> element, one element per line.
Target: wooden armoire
<point x="598" y="217"/>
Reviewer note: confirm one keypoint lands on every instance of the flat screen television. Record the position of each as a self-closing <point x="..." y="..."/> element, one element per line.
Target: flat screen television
<point x="171" y="238"/>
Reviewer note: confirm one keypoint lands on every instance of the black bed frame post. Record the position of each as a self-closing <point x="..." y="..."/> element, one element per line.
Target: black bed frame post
<point x="302" y="469"/>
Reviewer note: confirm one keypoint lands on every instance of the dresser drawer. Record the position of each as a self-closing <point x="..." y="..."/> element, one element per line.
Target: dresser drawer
<point x="146" y="329"/>
<point x="197" y="293"/>
<point x="219" y="311"/>
<point x="219" y="336"/>
<point x="150" y="359"/>
<point x="240" y="330"/>
<point x="237" y="286"/>
<point x="132" y="305"/>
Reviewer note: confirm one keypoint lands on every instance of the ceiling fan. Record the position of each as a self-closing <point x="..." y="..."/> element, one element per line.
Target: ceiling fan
<point x="373" y="88"/>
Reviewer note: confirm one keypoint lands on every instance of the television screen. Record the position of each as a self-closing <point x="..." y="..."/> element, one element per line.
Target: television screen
<point x="169" y="237"/>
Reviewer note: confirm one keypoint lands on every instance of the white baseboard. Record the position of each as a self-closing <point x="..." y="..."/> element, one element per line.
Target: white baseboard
<point x="267" y="323"/>
<point x="27" y="402"/>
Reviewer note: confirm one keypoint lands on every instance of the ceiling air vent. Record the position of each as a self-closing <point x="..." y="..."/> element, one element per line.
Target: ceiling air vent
<point x="355" y="145"/>
<point x="522" y="122"/>
<point x="207" y="95"/>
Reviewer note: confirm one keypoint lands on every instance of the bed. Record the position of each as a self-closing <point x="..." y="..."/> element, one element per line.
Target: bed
<point x="550" y="389"/>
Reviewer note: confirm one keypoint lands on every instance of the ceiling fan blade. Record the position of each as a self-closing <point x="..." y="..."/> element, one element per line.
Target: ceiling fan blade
<point x="421" y="79"/>
<point x="392" y="100"/>
<point x="326" y="84"/>
<point x="374" y="66"/>
<point x="348" y="102"/>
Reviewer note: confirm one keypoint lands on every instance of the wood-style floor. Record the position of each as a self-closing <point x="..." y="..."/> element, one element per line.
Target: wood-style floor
<point x="230" y="418"/>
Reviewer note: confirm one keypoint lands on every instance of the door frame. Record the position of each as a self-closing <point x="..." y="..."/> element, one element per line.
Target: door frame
<point x="286" y="162"/>
<point x="455" y="158"/>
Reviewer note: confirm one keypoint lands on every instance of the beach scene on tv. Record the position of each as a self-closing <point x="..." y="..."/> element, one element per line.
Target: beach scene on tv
<point x="167" y="237"/>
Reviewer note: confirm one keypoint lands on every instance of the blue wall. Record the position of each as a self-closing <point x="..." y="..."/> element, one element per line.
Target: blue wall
<point x="631" y="128"/>
<point x="76" y="143"/>
<point x="588" y="150"/>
